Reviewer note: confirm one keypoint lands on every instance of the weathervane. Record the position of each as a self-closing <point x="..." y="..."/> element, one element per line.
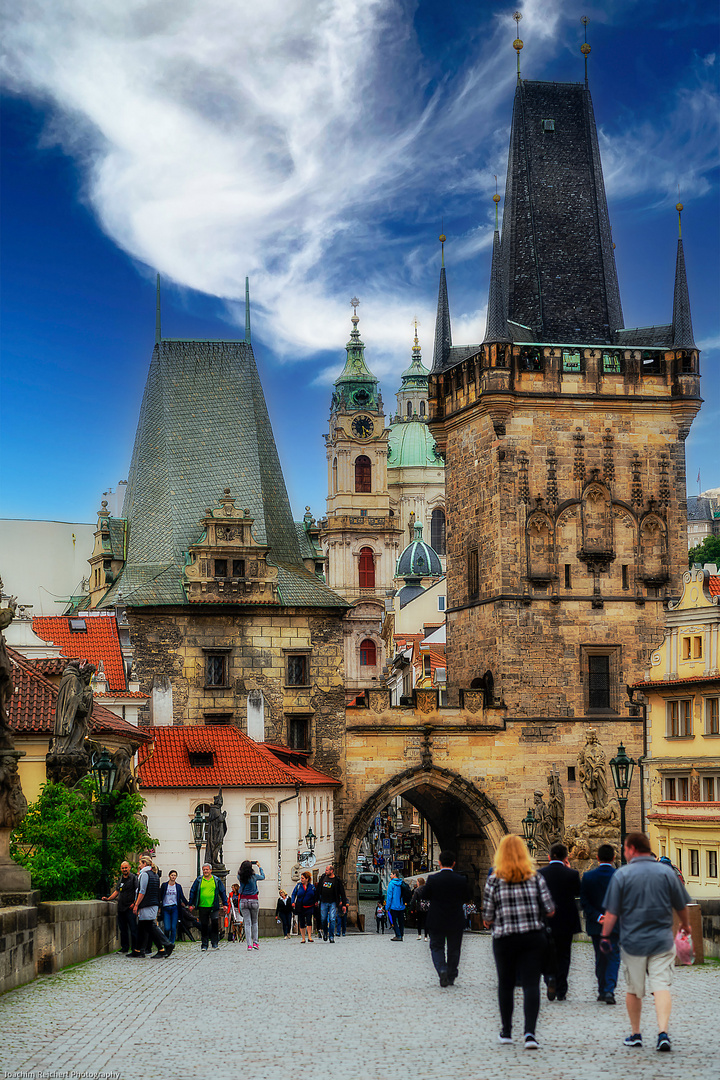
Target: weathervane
<point x="517" y="43"/>
<point x="585" y="48"/>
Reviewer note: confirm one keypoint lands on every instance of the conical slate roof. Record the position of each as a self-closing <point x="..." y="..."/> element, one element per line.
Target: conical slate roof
<point x="683" y="337"/>
<point x="497" y="327"/>
<point x="203" y="427"/>
<point x="443" y="332"/>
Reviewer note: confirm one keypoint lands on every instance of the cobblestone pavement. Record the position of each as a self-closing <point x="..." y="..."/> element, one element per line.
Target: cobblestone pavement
<point x="361" y="1008"/>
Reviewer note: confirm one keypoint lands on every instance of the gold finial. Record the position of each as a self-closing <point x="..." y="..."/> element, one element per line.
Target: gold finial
<point x="679" y="208"/>
<point x="496" y="200"/>
<point x="416" y="343"/>
<point x="517" y="43"/>
<point x="354" y="304"/>
<point x="585" y="48"/>
<point x="442" y="239"/>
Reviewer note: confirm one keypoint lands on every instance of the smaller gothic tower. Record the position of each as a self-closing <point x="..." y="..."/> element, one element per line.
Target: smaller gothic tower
<point x="360" y="535"/>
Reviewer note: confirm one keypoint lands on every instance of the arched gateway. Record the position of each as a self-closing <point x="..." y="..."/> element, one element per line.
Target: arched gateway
<point x="460" y="813"/>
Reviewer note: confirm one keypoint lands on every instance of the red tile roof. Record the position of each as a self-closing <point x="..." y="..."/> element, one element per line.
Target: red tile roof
<point x="31" y="710"/>
<point x="51" y="665"/>
<point x="98" y="642"/>
<point x="694" y="681"/>
<point x="237" y="761"/>
<point x="121" y="694"/>
<point x="714" y="586"/>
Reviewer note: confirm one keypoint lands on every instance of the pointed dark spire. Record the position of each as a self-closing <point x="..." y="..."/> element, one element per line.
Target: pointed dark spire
<point x="683" y="337"/>
<point x="158" y="334"/>
<point x="247" y="311"/>
<point x="497" y="327"/>
<point x="443" y="332"/>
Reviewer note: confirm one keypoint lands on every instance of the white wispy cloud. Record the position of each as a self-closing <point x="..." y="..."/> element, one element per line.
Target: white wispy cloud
<point x="285" y="140"/>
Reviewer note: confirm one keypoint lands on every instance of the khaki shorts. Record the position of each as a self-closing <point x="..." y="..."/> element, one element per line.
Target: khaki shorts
<point x="649" y="973"/>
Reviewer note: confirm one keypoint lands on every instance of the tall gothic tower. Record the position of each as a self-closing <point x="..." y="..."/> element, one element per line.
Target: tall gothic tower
<point x="360" y="535"/>
<point x="563" y="434"/>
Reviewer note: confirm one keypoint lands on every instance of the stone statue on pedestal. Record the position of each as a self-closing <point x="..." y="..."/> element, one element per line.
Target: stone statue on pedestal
<point x="6" y="675"/>
<point x="13" y="804"/>
<point x="216" y="829"/>
<point x="556" y="808"/>
<point x="68" y="758"/>
<point x="592" y="773"/>
<point x="602" y="824"/>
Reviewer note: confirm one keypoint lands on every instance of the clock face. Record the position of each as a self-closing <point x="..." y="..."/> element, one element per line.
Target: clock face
<point x="362" y="427"/>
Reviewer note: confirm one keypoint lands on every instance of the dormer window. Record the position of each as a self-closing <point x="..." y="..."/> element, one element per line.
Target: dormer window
<point x="78" y="626"/>
<point x="548" y="125"/>
<point x="220" y="568"/>
<point x="201" y="759"/>
<point x="238" y="568"/>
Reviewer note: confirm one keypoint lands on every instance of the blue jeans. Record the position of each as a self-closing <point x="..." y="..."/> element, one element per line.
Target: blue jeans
<point x="170" y="921"/>
<point x="607" y="967"/>
<point x="328" y="915"/>
<point x="341" y="923"/>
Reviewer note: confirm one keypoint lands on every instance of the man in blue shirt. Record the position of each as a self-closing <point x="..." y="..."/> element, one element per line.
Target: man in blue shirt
<point x="593" y="888"/>
<point x="642" y="896"/>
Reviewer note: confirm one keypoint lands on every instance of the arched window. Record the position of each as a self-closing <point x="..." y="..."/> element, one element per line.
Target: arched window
<point x="362" y="474"/>
<point x="422" y="408"/>
<point x="204" y="810"/>
<point x="409" y="408"/>
<point x="334" y="476"/>
<point x="367" y="568"/>
<point x="259" y="822"/>
<point x="368" y="653"/>
<point x="437" y="531"/>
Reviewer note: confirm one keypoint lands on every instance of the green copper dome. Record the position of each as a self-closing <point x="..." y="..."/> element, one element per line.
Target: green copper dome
<point x="356" y="387"/>
<point x="410" y="443"/>
<point x="418" y="560"/>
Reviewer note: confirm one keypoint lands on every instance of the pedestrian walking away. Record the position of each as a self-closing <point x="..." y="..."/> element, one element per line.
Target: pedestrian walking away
<point x="593" y="887"/>
<point x="641" y="897"/>
<point x="564" y="885"/>
<point x="446" y="892"/>
<point x="207" y="895"/>
<point x="172" y="899"/>
<point x="283" y="912"/>
<point x="332" y="898"/>
<point x="380" y="918"/>
<point x="515" y="905"/>
<point x="146" y="907"/>
<point x="304" y="898"/>
<point x="124" y="892"/>
<point x="235" y="921"/>
<point x="250" y="900"/>
<point x="396" y="900"/>
<point x="419" y="907"/>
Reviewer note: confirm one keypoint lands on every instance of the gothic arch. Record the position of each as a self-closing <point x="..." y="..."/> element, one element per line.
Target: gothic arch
<point x="540" y="546"/>
<point x="447" y="782"/>
<point x="597" y="519"/>
<point x="652" y="549"/>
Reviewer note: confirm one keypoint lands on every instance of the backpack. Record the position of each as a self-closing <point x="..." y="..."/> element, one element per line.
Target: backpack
<point x="405" y="892"/>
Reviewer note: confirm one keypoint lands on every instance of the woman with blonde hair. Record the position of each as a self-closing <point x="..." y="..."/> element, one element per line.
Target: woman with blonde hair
<point x="515" y="905"/>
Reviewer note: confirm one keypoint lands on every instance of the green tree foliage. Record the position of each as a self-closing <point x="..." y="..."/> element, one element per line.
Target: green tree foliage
<point x="60" y="840"/>
<point x="708" y="551"/>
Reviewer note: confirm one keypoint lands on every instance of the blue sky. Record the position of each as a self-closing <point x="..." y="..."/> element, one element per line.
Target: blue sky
<point x="314" y="146"/>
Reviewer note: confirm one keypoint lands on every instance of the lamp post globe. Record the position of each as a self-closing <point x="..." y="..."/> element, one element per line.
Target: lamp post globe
<point x="310" y="839"/>
<point x="621" y="768"/>
<point x="197" y="824"/>
<point x="529" y="828"/>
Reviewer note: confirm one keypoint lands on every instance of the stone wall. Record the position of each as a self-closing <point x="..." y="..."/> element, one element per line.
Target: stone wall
<point x="71" y="931"/>
<point x="18" y="927"/>
<point x="175" y="643"/>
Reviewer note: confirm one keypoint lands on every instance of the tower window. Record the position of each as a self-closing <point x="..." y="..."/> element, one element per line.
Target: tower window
<point x="238" y="567"/>
<point x="334" y="476"/>
<point x="297" y="670"/>
<point x="409" y="409"/>
<point x="216" y="669"/>
<point x="437" y="531"/>
<point x="473" y="574"/>
<point x="368" y="653"/>
<point x="568" y="581"/>
<point x="599" y="682"/>
<point x="367" y="568"/>
<point x="259" y="822"/>
<point x="220" y="567"/>
<point x="363" y="474"/>
<point x="625" y="577"/>
<point x="571" y="361"/>
<point x="422" y="408"/>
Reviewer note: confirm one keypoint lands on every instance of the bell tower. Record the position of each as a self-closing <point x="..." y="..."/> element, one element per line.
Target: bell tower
<point x="360" y="534"/>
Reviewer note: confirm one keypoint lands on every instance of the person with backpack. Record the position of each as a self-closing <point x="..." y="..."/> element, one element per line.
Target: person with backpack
<point x="420" y="907"/>
<point x="398" y="897"/>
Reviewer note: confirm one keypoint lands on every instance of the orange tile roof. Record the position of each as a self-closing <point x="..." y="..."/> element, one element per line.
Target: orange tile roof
<point x="122" y="694"/>
<point x="98" y="642"/>
<point x="237" y="761"/>
<point x="694" y="681"/>
<point x="32" y="707"/>
<point x="714" y="586"/>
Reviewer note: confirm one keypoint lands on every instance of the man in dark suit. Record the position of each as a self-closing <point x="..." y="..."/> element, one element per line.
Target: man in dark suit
<point x="593" y="887"/>
<point x="564" y="885"/>
<point x="446" y="891"/>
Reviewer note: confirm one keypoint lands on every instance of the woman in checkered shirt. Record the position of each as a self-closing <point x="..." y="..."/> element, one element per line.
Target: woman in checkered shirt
<point x="515" y="905"/>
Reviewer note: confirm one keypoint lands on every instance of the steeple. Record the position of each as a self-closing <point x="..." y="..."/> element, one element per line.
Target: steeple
<point x="682" y="331"/>
<point x="356" y="387"/>
<point x="497" y="328"/>
<point x="247" y="311"/>
<point x="443" y="332"/>
<point x="158" y="334"/>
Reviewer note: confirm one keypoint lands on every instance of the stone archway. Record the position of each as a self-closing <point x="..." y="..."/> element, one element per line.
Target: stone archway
<point x="460" y="813"/>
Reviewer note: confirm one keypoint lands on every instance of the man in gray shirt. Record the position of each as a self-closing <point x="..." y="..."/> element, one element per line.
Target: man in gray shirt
<point x="642" y="896"/>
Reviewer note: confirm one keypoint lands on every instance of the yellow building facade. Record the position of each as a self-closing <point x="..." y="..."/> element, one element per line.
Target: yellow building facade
<point x="682" y="760"/>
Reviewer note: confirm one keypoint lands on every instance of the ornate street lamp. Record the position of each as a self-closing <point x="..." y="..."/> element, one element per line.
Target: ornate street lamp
<point x="310" y="839"/>
<point x="529" y="828"/>
<point x="621" y="768"/>
<point x="197" y="824"/>
<point x="103" y="771"/>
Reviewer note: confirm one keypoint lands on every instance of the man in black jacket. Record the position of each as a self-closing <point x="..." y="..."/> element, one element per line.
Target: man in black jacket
<point x="446" y="892"/>
<point x="124" y="893"/>
<point x="332" y="898"/>
<point x="593" y="888"/>
<point x="564" y="885"/>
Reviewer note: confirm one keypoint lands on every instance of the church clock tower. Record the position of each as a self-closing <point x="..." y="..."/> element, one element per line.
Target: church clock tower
<point x="361" y="537"/>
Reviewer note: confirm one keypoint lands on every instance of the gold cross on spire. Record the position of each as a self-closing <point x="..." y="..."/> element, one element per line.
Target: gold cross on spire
<point x="354" y="304"/>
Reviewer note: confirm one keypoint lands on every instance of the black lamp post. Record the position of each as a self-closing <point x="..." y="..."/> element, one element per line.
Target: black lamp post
<point x="103" y="771"/>
<point x="197" y="824"/>
<point x="529" y="828"/>
<point x="621" y="768"/>
<point x="310" y="839"/>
